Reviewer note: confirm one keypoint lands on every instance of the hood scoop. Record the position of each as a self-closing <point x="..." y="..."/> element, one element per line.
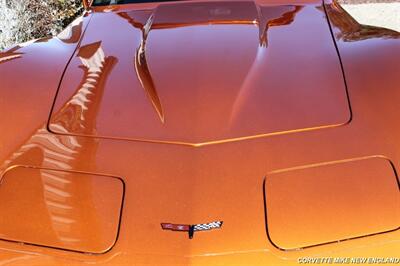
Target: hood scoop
<point x="202" y="73"/>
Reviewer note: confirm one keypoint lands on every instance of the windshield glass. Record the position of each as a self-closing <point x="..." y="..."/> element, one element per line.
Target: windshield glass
<point x="119" y="2"/>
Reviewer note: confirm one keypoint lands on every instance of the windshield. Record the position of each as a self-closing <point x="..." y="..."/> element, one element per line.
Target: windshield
<point x="119" y="2"/>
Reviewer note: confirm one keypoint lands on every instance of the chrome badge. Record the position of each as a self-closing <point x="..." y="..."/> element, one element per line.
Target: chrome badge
<point x="191" y="228"/>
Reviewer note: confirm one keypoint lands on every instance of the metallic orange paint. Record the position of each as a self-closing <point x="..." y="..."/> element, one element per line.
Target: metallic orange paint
<point x="87" y="3"/>
<point x="65" y="210"/>
<point x="324" y="203"/>
<point x="110" y="97"/>
<point x="242" y="100"/>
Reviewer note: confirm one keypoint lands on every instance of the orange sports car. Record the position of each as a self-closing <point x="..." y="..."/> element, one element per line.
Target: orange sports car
<point x="202" y="132"/>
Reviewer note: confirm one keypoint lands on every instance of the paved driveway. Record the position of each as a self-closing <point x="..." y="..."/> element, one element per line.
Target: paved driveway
<point x="385" y="15"/>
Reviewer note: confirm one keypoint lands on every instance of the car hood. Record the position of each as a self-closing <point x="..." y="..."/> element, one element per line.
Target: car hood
<point x="164" y="75"/>
<point x="203" y="72"/>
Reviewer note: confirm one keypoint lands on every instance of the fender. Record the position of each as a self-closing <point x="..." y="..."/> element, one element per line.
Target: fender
<point x="363" y="51"/>
<point x="30" y="74"/>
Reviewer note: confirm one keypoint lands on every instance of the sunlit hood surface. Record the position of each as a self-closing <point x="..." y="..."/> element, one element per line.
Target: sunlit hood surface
<point x="202" y="73"/>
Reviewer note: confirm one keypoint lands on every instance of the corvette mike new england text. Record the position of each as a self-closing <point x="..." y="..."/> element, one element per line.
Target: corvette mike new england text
<point x="349" y="260"/>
